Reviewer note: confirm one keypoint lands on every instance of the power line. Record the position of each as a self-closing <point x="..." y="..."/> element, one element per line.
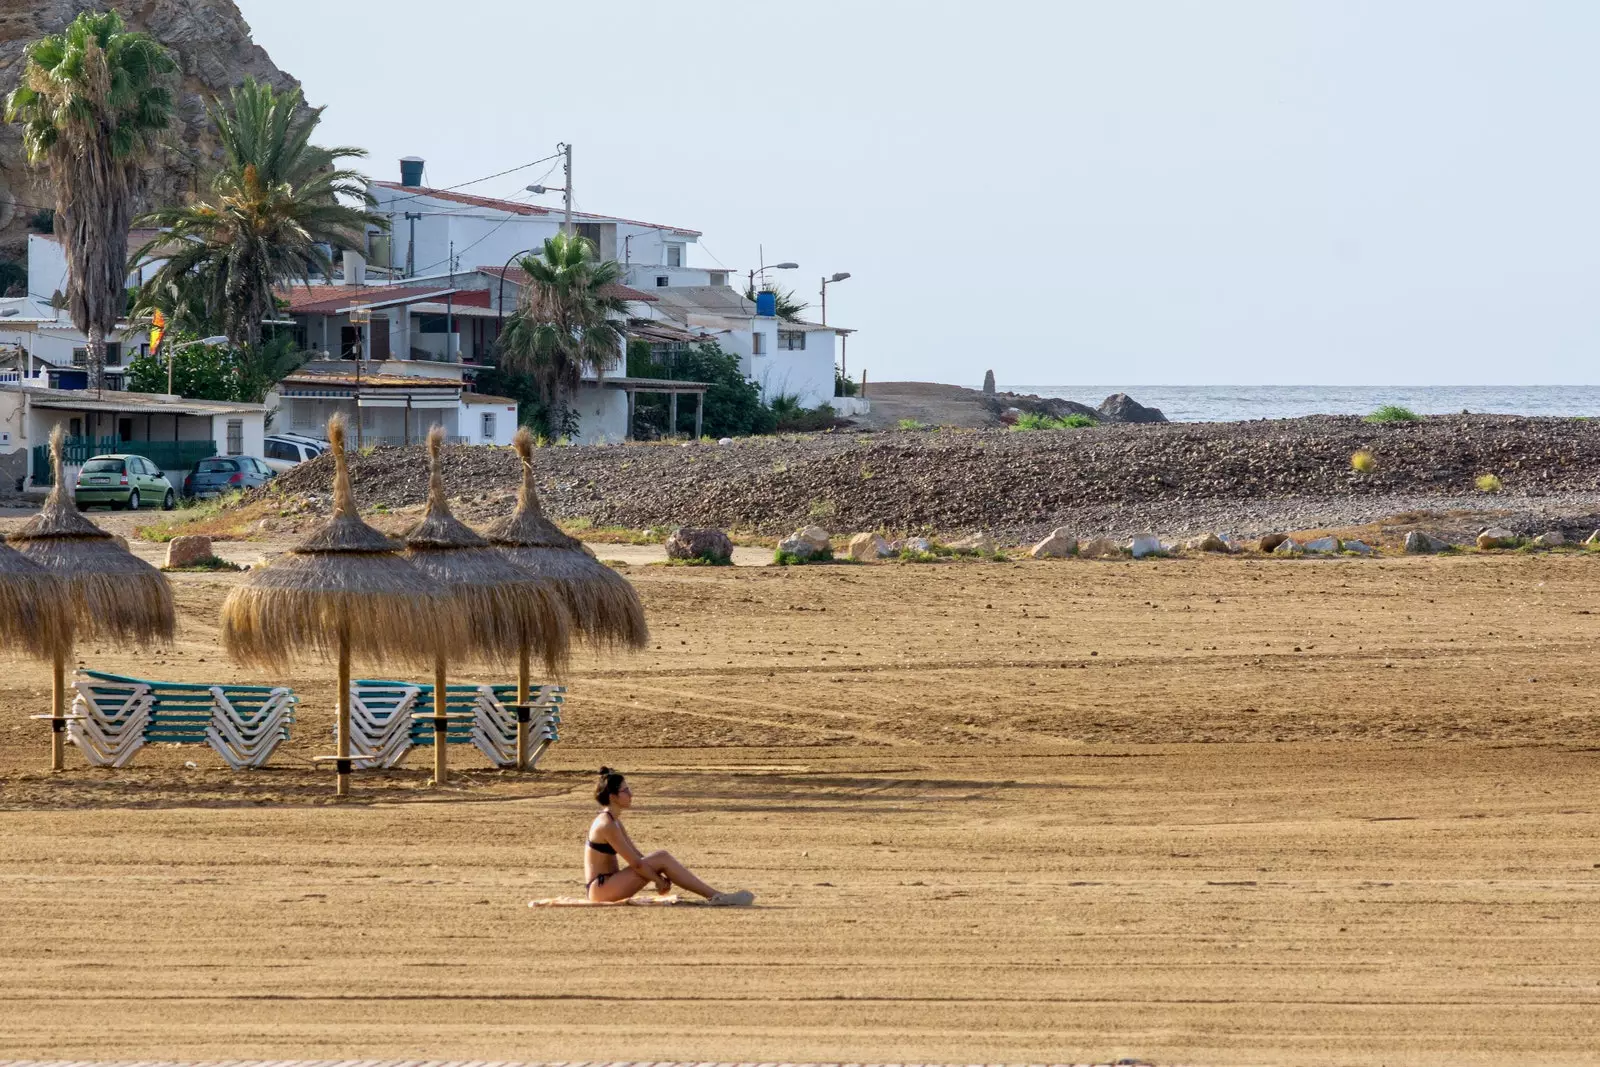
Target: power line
<point x="485" y="178"/>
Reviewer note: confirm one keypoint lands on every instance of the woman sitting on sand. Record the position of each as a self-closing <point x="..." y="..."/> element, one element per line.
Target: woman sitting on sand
<point x="608" y="840"/>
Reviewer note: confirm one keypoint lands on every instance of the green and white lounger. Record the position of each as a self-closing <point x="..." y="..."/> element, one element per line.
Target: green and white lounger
<point x="116" y="715"/>
<point x="388" y="718"/>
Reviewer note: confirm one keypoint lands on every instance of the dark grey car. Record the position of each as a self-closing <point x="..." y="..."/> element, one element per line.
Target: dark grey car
<point x="225" y="474"/>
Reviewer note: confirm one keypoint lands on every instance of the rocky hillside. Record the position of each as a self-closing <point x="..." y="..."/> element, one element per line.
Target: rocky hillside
<point x="1172" y="478"/>
<point x="214" y="50"/>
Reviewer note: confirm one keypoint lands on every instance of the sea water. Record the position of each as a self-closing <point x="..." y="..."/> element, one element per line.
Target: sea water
<point x="1232" y="403"/>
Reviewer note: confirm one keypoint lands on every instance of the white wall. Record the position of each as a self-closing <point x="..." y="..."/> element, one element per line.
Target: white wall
<point x="471" y="422"/>
<point x="808" y="375"/>
<point x="47" y="266"/>
<point x="602" y="415"/>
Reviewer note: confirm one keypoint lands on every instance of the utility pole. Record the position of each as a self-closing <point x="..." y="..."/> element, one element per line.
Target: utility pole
<point x="411" y="244"/>
<point x="567" y="149"/>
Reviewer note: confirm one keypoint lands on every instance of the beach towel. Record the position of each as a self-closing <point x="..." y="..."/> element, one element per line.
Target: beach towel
<point x="585" y="902"/>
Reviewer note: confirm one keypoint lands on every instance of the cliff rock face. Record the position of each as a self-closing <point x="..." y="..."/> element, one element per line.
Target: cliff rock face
<point x="212" y="44"/>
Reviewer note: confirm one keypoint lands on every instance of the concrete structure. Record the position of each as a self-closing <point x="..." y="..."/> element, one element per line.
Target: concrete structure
<point x="780" y="356"/>
<point x="146" y="423"/>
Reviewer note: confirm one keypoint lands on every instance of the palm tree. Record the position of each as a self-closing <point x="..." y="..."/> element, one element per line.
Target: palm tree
<point x="91" y="100"/>
<point x="563" y="325"/>
<point x="266" y="215"/>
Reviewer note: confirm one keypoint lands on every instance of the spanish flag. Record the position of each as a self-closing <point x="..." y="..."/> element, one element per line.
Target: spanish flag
<point x="158" y="330"/>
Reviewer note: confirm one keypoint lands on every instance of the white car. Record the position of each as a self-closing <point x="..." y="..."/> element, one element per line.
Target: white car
<point x="282" y="451"/>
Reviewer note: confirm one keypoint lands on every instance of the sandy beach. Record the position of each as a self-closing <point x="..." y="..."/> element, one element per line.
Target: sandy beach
<point x="1196" y="811"/>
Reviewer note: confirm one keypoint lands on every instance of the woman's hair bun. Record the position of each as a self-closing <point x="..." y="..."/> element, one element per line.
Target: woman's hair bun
<point x="606" y="772"/>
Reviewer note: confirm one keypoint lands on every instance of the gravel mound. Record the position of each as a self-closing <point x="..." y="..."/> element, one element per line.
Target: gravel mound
<point x="1172" y="478"/>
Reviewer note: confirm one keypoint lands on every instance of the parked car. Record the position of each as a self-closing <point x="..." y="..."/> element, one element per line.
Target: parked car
<point x="225" y="474"/>
<point x="123" y="482"/>
<point x="284" y="450"/>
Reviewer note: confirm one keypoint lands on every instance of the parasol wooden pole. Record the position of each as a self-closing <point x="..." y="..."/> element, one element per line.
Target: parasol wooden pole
<point x="58" y="700"/>
<point x="441" y="724"/>
<point x="343" y="765"/>
<point x="523" y="682"/>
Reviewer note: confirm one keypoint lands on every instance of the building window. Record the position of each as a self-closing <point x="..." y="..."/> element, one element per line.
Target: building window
<point x="792" y="340"/>
<point x="717" y="278"/>
<point x="488" y="425"/>
<point x="758" y="344"/>
<point x="674" y="255"/>
<point x="662" y="281"/>
<point x="113" y="353"/>
<point x="235" y="437"/>
<point x="80" y="357"/>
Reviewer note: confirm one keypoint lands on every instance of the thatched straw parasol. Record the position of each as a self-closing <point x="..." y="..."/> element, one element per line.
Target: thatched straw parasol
<point x="35" y="615"/>
<point x="342" y="591"/>
<point x="506" y="610"/>
<point x="111" y="592"/>
<point x="604" y="607"/>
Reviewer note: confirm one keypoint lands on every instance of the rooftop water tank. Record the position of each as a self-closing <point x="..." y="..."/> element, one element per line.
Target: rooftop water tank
<point x="767" y="303"/>
<point x="411" y="171"/>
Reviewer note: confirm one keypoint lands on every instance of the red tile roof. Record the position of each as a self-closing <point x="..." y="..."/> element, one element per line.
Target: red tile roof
<point x="517" y="276"/>
<point x="331" y="299"/>
<point x="517" y="207"/>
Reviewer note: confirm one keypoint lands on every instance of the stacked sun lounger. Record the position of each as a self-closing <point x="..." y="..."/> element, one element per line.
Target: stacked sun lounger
<point x="388" y="718"/>
<point x="114" y="716"/>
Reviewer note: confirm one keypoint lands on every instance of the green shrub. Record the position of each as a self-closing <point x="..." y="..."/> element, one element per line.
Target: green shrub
<point x="910" y="424"/>
<point x="1394" y="413"/>
<point x="1031" y="420"/>
<point x="210" y="563"/>
<point x="789" y="559"/>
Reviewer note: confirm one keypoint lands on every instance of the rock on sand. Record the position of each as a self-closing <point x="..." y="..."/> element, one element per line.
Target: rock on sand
<point x="708" y="544"/>
<point x="1497" y="537"/>
<point x="1421" y="544"/>
<point x="1060" y="544"/>
<point x="1101" y="548"/>
<point x="868" y="546"/>
<point x="1145" y="545"/>
<point x="188" y="551"/>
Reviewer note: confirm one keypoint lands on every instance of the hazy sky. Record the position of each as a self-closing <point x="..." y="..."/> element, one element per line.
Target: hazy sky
<point x="1112" y="192"/>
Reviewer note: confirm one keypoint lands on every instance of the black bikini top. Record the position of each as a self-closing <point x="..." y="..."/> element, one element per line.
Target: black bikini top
<point x="601" y="846"/>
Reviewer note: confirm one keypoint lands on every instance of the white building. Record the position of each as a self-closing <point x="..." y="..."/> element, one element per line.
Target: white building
<point x="169" y="430"/>
<point x="441" y="230"/>
<point x="782" y="357"/>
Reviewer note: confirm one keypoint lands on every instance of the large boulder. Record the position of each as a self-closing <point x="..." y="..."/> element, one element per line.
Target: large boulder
<point x="1059" y="545"/>
<point x="188" y="551"/>
<point x="1360" y="548"/>
<point x="920" y="545"/>
<point x="1423" y="544"/>
<point x="1209" y="543"/>
<point x="867" y="547"/>
<point x="1496" y="537"/>
<point x="1100" y="548"/>
<point x="1551" y="539"/>
<point x="1324" y="546"/>
<point x="1270" y="542"/>
<point x="711" y="545"/>
<point x="815" y="536"/>
<point x="1289" y="547"/>
<point x="1120" y="407"/>
<point x="981" y="543"/>
<point x="1145" y="545"/>
<point x="988" y="382"/>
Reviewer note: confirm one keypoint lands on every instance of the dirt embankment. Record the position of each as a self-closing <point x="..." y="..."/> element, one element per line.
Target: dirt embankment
<point x="1174" y="478"/>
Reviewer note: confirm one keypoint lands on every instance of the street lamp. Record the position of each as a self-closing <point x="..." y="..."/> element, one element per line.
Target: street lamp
<point x="216" y="339"/>
<point x="769" y="266"/>
<point x="565" y="151"/>
<point x="501" y="322"/>
<point x="839" y="277"/>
